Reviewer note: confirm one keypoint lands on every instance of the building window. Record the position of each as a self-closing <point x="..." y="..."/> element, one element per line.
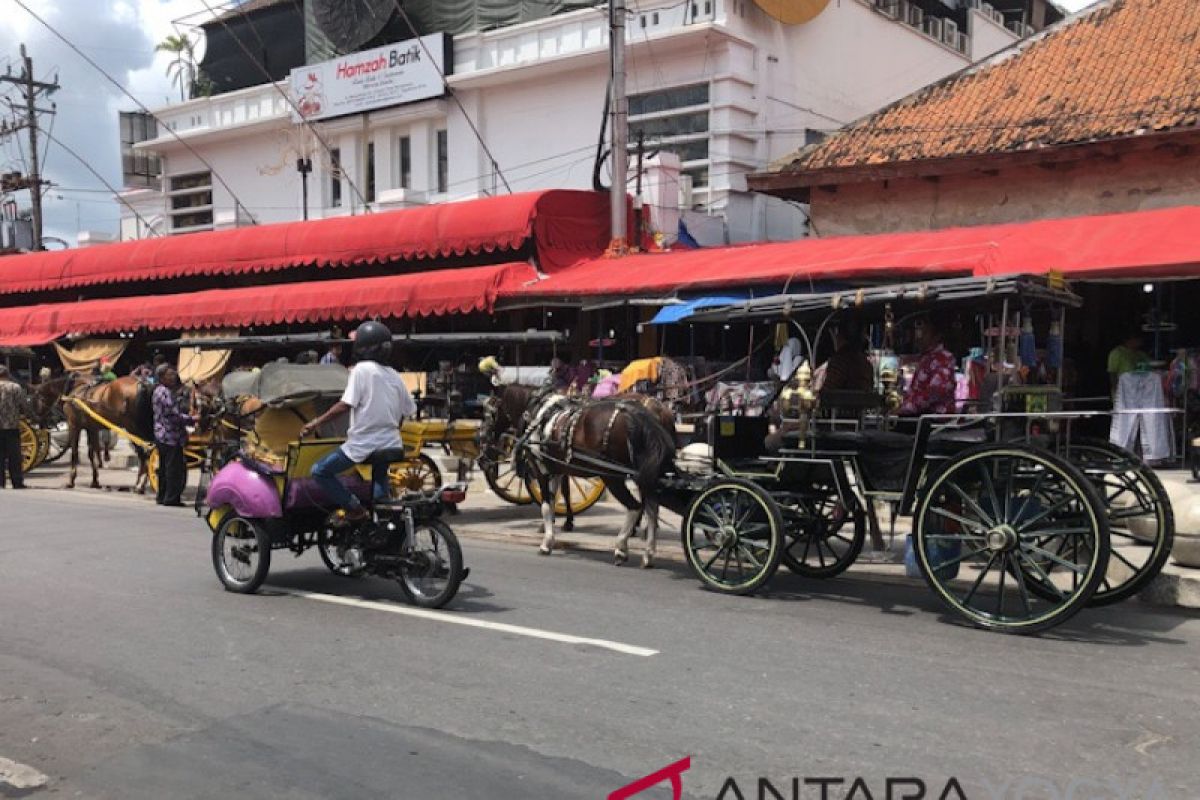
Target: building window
<point x="674" y="120"/>
<point x="405" y="162"/>
<point x="443" y="163"/>
<point x="370" y="172"/>
<point x="190" y="198"/>
<point x="139" y="168"/>
<point x="335" y="178"/>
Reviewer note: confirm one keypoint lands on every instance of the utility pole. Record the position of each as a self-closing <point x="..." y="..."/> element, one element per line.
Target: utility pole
<point x="31" y="89"/>
<point x="619" y="245"/>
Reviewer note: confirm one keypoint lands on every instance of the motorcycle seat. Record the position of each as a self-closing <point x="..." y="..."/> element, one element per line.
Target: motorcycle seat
<point x="387" y="456"/>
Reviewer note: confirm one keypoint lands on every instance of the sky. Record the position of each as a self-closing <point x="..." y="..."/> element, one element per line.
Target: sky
<point x="120" y="35"/>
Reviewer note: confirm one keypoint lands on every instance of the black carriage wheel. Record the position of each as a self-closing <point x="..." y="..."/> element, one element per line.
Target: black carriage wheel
<point x="824" y="535"/>
<point x="992" y="519"/>
<point x="1134" y="497"/>
<point x="733" y="536"/>
<point x="433" y="564"/>
<point x="332" y="554"/>
<point x="241" y="554"/>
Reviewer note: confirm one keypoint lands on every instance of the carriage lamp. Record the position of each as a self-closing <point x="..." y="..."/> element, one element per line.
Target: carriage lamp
<point x="798" y="400"/>
<point x="889" y="378"/>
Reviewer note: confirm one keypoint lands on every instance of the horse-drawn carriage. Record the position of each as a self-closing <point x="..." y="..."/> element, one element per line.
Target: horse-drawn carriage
<point x="1017" y="520"/>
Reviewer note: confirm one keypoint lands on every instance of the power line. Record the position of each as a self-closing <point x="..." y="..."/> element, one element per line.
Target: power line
<point x="109" y="186"/>
<point x="237" y="201"/>
<point x="288" y="98"/>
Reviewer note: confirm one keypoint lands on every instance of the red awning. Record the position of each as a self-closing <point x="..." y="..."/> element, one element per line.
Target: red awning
<point x="1145" y="244"/>
<point x="450" y="291"/>
<point x="565" y="227"/>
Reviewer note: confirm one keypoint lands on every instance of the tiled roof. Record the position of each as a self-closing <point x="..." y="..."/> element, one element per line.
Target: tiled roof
<point x="1120" y="69"/>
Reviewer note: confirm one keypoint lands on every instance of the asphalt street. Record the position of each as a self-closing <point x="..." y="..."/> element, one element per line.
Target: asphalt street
<point x="127" y="672"/>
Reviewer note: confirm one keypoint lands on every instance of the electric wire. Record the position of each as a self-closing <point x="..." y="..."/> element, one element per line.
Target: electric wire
<point x="291" y="102"/>
<point x="142" y="106"/>
<point x="115" y="193"/>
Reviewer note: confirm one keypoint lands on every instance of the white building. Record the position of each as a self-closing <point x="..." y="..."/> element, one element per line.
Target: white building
<point x="720" y="83"/>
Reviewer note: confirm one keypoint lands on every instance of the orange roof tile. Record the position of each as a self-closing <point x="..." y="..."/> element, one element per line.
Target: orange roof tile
<point x="1120" y="69"/>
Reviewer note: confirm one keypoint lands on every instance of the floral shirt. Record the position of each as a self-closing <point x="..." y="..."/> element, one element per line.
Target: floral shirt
<point x="12" y="403"/>
<point x="170" y="424"/>
<point x="933" y="384"/>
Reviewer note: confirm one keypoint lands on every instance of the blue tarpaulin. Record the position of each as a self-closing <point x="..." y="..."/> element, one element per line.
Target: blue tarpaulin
<point x="681" y="311"/>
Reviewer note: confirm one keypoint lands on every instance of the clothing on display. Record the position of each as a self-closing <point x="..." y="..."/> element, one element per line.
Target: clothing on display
<point x="1139" y="416"/>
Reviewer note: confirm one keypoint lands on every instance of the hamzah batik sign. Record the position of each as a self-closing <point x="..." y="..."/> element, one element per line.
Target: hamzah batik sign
<point x="403" y="72"/>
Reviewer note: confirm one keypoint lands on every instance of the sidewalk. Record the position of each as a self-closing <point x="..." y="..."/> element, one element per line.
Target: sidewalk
<point x="486" y="517"/>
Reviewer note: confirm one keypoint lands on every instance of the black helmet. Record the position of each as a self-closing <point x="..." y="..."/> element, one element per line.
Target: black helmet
<point x="372" y="342"/>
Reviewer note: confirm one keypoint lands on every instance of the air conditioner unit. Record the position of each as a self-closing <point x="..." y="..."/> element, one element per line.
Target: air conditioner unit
<point x="889" y="8"/>
<point x="972" y="3"/>
<point x="950" y="32"/>
<point x="997" y="17"/>
<point x="988" y="10"/>
<point x="915" y="17"/>
<point x="1027" y="30"/>
<point x="963" y="44"/>
<point x="933" y="27"/>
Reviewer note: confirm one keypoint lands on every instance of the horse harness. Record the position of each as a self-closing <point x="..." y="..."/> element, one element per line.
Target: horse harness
<point x="551" y="417"/>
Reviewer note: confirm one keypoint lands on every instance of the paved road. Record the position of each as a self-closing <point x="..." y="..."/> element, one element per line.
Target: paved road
<point x="126" y="672"/>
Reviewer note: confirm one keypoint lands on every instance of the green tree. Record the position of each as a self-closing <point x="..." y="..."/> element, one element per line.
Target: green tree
<point x="182" y="69"/>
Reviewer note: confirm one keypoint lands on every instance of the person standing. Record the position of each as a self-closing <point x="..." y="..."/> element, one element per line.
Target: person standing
<point x="1128" y="356"/>
<point x="12" y="403"/>
<point x="170" y="435"/>
<point x="333" y="355"/>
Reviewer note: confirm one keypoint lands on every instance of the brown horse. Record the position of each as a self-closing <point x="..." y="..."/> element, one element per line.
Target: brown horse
<point x="614" y="440"/>
<point x="124" y="403"/>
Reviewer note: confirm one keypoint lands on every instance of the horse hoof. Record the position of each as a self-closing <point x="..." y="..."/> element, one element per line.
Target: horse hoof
<point x="568" y="526"/>
<point x="620" y="558"/>
<point x="544" y="551"/>
<point x="647" y="562"/>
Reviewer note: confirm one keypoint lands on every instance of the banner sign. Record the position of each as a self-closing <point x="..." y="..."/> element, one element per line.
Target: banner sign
<point x="385" y="76"/>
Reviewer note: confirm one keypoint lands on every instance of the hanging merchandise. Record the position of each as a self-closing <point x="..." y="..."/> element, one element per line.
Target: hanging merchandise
<point x="1026" y="344"/>
<point x="1054" y="346"/>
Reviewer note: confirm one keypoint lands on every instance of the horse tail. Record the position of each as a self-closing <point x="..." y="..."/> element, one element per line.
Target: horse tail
<point x="143" y="414"/>
<point x="651" y="447"/>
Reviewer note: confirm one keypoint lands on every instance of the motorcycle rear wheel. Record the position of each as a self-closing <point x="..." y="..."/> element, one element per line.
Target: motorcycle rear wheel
<point x="433" y="566"/>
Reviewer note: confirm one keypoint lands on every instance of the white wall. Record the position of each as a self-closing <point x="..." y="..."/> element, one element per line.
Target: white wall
<point x="536" y="93"/>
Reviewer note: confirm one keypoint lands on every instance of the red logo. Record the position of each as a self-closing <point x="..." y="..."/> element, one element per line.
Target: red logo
<point x="674" y="773"/>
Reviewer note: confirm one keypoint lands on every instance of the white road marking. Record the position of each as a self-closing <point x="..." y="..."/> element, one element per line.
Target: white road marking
<point x="20" y="776"/>
<point x="455" y="619"/>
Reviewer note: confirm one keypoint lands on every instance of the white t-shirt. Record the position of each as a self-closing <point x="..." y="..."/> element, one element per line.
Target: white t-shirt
<point x="379" y="401"/>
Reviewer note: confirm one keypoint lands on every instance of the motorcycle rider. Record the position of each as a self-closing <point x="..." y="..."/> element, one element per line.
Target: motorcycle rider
<point x="378" y="402"/>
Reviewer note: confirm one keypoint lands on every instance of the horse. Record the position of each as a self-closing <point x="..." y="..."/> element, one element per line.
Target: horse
<point x="612" y="439"/>
<point x="511" y="402"/>
<point x="124" y="403"/>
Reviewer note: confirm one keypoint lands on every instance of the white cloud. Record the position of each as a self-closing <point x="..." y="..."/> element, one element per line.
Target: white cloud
<point x="120" y="36"/>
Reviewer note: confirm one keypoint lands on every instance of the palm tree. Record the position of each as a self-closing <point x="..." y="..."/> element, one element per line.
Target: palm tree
<point x="182" y="69"/>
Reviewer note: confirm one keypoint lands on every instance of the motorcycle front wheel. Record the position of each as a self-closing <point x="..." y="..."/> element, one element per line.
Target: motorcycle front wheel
<point x="433" y="565"/>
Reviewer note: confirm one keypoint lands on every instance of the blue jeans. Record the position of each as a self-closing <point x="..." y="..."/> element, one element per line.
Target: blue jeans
<point x="326" y="471"/>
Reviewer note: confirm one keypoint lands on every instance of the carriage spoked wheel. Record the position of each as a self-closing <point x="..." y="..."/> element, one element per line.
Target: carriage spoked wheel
<point x="1012" y="539"/>
<point x="585" y="493"/>
<point x="241" y="554"/>
<point x="33" y="450"/>
<point x="1140" y="518"/>
<point x="500" y="472"/>
<point x="419" y="474"/>
<point x="733" y="536"/>
<point x="824" y="535"/>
